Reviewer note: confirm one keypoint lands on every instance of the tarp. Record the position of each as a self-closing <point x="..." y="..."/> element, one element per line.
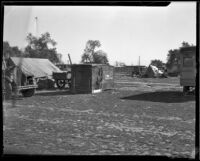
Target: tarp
<point x="153" y="71"/>
<point x="156" y="70"/>
<point x="35" y="67"/>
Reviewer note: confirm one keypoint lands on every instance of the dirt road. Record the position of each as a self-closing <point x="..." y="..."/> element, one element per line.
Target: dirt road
<point x="126" y="121"/>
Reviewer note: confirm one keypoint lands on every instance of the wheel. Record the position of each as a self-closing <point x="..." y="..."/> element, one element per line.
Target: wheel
<point x="68" y="82"/>
<point x="60" y="84"/>
<point x="28" y="92"/>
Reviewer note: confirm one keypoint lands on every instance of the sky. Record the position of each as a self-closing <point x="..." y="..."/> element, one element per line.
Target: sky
<point x="125" y="32"/>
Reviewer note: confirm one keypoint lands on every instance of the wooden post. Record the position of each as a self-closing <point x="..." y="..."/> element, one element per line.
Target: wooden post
<point x="69" y="59"/>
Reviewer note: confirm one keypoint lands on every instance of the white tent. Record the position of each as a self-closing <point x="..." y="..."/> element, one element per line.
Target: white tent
<point x="34" y="66"/>
<point x="152" y="72"/>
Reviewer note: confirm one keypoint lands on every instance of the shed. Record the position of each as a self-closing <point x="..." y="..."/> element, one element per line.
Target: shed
<point x="91" y="78"/>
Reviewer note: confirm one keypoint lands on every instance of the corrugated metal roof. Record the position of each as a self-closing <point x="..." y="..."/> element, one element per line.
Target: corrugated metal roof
<point x="35" y="66"/>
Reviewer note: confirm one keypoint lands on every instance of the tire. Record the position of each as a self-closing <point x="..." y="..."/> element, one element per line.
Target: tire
<point x="28" y="92"/>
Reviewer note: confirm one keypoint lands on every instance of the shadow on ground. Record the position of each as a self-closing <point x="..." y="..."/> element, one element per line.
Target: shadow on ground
<point x="59" y="93"/>
<point x="162" y="96"/>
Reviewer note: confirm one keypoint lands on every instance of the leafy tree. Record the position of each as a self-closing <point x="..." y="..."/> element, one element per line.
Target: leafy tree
<point x="185" y="44"/>
<point x="41" y="47"/>
<point x="158" y="63"/>
<point x="86" y="58"/>
<point x="100" y="57"/>
<point x="92" y="56"/>
<point x="173" y="56"/>
<point x="9" y="51"/>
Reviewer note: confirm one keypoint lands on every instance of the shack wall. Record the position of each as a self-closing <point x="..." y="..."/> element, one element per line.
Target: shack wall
<point x="91" y="77"/>
<point x="81" y="79"/>
<point x="97" y="77"/>
<point x="108" y="77"/>
<point x="102" y="77"/>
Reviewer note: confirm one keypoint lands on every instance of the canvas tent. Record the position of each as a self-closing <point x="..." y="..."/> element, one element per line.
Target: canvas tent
<point x="39" y="68"/>
<point x="153" y="72"/>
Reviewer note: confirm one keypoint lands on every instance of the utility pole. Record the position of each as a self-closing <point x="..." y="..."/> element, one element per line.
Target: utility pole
<point x="139" y="64"/>
<point x="36" y="26"/>
<point x="139" y="60"/>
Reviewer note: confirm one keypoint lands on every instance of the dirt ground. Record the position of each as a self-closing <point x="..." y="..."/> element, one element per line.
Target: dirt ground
<point x="138" y="117"/>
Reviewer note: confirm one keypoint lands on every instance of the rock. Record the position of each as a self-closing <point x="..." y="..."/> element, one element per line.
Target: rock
<point x="59" y="140"/>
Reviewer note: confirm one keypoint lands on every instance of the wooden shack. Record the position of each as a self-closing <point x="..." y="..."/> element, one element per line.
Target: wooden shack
<point x="91" y="78"/>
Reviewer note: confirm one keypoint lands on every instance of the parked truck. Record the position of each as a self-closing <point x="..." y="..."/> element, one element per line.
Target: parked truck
<point x="188" y="68"/>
